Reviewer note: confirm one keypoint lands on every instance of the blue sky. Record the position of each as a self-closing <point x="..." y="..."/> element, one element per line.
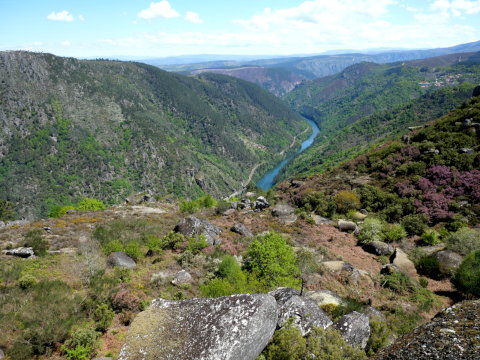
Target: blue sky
<point x="105" y="28"/>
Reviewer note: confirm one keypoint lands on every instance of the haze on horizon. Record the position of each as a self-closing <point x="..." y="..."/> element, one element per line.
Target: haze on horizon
<point x="281" y="27"/>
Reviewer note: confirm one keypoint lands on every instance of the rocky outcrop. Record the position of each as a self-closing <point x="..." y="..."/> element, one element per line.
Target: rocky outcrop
<point x="325" y="297"/>
<point x="453" y="334"/>
<point x="347" y="226"/>
<point x="448" y="261"/>
<point x="192" y="226"/>
<point x="261" y="203"/>
<point x="23" y="252"/>
<point x="235" y="327"/>
<point x="379" y="248"/>
<point x="285" y="213"/>
<point x="121" y="259"/>
<point x="304" y="312"/>
<point x="354" y="328"/>
<point x="401" y="261"/>
<point x="242" y="230"/>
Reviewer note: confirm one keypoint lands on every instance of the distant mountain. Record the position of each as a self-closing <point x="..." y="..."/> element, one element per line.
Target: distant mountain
<point x="104" y="129"/>
<point x="369" y="102"/>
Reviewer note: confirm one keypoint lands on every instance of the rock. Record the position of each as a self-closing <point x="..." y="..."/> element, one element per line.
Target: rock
<point x="261" y="203"/>
<point x="244" y="204"/>
<point x="429" y="250"/>
<point x="192" y="226"/>
<point x="304" y="311"/>
<point x="2" y="224"/>
<point x="320" y="220"/>
<point x="242" y="230"/>
<point x="228" y="212"/>
<point x="347" y="226"/>
<point x="403" y="263"/>
<point x="236" y="327"/>
<point x="297" y="183"/>
<point x="23" y="252"/>
<point x="466" y="151"/>
<point x="388" y="269"/>
<point x="406" y="139"/>
<point x="285" y="213"/>
<point x="250" y="194"/>
<point x="139" y="198"/>
<point x="71" y="211"/>
<point x="357" y="215"/>
<point x="374" y="314"/>
<point x="354" y="328"/>
<point x="364" y="211"/>
<point x="453" y="334"/>
<point x="2" y="354"/>
<point x="448" y="261"/>
<point x="325" y="297"/>
<point x="121" y="259"/>
<point x="379" y="248"/>
<point x="335" y="266"/>
<point x="182" y="277"/>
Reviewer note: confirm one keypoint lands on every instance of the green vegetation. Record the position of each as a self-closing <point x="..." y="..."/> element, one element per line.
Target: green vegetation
<point x="6" y="211"/>
<point x="464" y="241"/>
<point x="35" y="240"/>
<point x="288" y="344"/>
<point x="467" y="276"/>
<point x="191" y="206"/>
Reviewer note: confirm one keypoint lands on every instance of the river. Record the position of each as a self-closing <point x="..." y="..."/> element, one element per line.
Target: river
<point x="268" y="180"/>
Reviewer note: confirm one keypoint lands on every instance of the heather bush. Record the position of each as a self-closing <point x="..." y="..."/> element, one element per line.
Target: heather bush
<point x="428" y="266"/>
<point x="429" y="237"/>
<point x="394" y="232"/>
<point x="126" y="299"/>
<point x="372" y="230"/>
<point x="467" y="276"/>
<point x="464" y="241"/>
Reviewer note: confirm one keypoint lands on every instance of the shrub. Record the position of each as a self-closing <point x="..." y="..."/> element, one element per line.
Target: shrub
<point x="394" y="232"/>
<point x="34" y="239"/>
<point x="80" y="352"/>
<point x="154" y="244"/>
<point x="287" y="343"/>
<point x="467" y="276"/>
<point x="81" y="343"/>
<point x="423" y="282"/>
<point x="59" y="211"/>
<point x="428" y="266"/>
<point x="188" y="206"/>
<point x="272" y="261"/>
<point x="196" y="244"/>
<point x="26" y="281"/>
<point x="424" y="298"/>
<point x="414" y="224"/>
<point x="346" y="200"/>
<point x="217" y="287"/>
<point x="398" y="282"/>
<point x="429" y="237"/>
<point x="172" y="240"/>
<point x="89" y="204"/>
<point x="372" y="230"/>
<point x="230" y="280"/>
<point x="126" y="299"/>
<point x="103" y="317"/>
<point x="6" y="211"/>
<point x="207" y="201"/>
<point x="113" y="246"/>
<point x="379" y="335"/>
<point x="464" y="241"/>
<point x="133" y="250"/>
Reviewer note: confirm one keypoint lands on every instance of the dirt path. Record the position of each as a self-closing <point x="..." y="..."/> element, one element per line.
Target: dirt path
<point x="244" y="185"/>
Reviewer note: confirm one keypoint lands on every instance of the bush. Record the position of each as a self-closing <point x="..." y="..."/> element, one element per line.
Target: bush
<point x="372" y="230"/>
<point x="188" y="206"/>
<point x="414" y="224"/>
<point x="207" y="201"/>
<point x="346" y="200"/>
<point x="429" y="237"/>
<point x="133" y="250"/>
<point x="464" y="241"/>
<point x="467" y="276"/>
<point x="379" y="335"/>
<point x="398" y="282"/>
<point x="172" y="240"/>
<point x="103" y="317"/>
<point x="6" y="211"/>
<point x="394" y="232"/>
<point x="126" y="299"/>
<point x="27" y="281"/>
<point x="272" y="261"/>
<point x="34" y="239"/>
<point x="59" y="211"/>
<point x="230" y="280"/>
<point x="89" y="204"/>
<point x="196" y="245"/>
<point x="113" y="246"/>
<point x="288" y="344"/>
<point x="81" y="344"/>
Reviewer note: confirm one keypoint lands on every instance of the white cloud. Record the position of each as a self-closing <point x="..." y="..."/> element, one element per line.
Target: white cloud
<point x="456" y="7"/>
<point x="60" y="16"/>
<point x="193" y="17"/>
<point x="161" y="9"/>
<point x="81" y="18"/>
<point x="66" y="43"/>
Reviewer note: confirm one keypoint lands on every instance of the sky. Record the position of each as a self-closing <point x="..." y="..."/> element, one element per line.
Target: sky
<point x="141" y="29"/>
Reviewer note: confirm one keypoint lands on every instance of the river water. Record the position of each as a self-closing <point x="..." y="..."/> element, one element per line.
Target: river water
<point x="268" y="180"/>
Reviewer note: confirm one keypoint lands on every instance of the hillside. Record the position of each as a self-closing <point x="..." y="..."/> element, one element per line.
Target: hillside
<point x="104" y="129"/>
<point x="369" y="102"/>
<point x="278" y="81"/>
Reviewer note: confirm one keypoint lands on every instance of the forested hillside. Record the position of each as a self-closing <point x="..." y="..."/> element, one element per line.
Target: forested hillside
<point x="367" y="103"/>
<point x="104" y="129"/>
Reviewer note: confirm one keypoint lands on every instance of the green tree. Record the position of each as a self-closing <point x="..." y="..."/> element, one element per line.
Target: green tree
<point x="272" y="261"/>
<point x="6" y="211"/>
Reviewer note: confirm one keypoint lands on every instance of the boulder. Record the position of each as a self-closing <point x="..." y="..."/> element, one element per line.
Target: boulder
<point x="379" y="248"/>
<point x="347" y="226"/>
<point x="261" y="203"/>
<point x="430" y="250"/>
<point x="244" y="204"/>
<point x="320" y="220"/>
<point x="453" y="334"/>
<point x="448" y="261"/>
<point x="285" y="213"/>
<point x="192" y="226"/>
<point x="121" y="259"/>
<point x="242" y="230"/>
<point x="354" y="328"/>
<point x="466" y="151"/>
<point x="335" y="266"/>
<point x="325" y="297"/>
<point x="23" y="252"/>
<point x="182" y="277"/>
<point x="357" y="215"/>
<point x="403" y="263"/>
<point x="304" y="311"/>
<point x="236" y="327"/>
